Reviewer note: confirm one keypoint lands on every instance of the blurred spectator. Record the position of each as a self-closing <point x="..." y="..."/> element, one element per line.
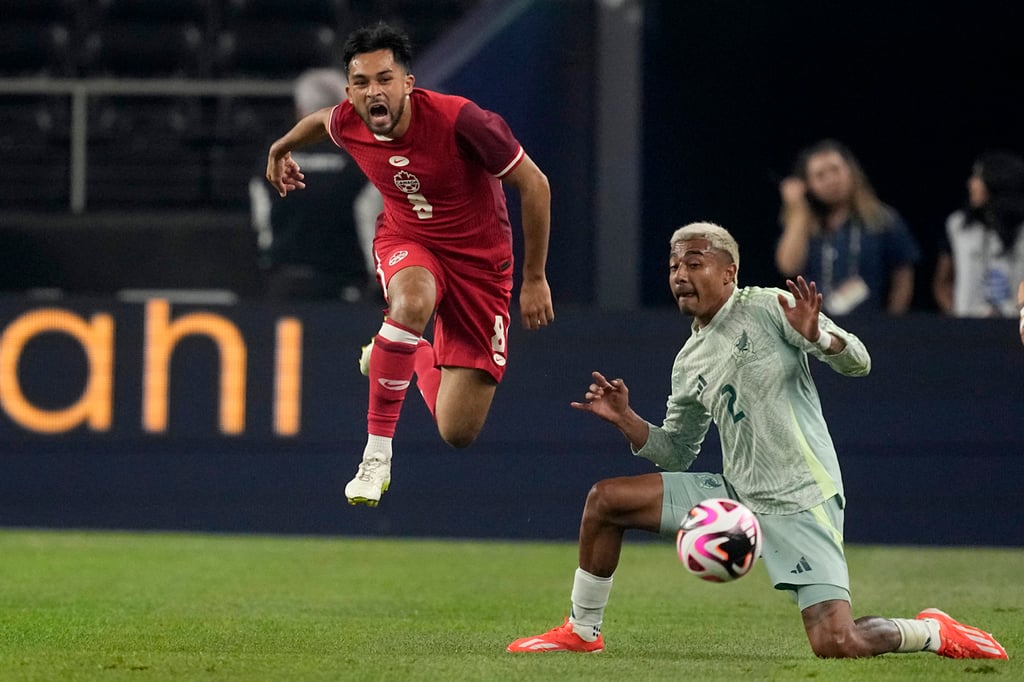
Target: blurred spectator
<point x="837" y="233"/>
<point x="1020" y="305"/>
<point x="982" y="253"/>
<point x="318" y="243"/>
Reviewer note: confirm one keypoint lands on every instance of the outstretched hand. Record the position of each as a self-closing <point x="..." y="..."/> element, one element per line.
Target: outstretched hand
<point x="803" y="315"/>
<point x="609" y="400"/>
<point x="284" y="173"/>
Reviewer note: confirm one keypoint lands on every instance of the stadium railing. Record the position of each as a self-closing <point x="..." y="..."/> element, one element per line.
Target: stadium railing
<point x="81" y="91"/>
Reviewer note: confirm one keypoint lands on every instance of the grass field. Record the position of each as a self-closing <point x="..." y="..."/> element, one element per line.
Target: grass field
<point x="153" y="606"/>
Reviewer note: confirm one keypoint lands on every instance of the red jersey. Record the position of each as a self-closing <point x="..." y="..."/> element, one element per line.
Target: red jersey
<point x="441" y="181"/>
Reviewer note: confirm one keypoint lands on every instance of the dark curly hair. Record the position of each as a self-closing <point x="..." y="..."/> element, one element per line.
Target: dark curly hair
<point x="379" y="36"/>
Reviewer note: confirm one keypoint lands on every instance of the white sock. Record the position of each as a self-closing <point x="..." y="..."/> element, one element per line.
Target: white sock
<point x="917" y="635"/>
<point x="380" y="444"/>
<point x="589" y="597"/>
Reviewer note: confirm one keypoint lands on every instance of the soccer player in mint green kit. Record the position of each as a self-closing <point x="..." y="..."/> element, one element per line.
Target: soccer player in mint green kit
<point x="745" y="367"/>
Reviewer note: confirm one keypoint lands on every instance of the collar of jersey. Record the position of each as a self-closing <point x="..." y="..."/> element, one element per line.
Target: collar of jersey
<point x="722" y="312"/>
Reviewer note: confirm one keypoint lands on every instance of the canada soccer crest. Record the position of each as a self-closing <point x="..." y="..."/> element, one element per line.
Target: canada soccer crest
<point x="407" y="182"/>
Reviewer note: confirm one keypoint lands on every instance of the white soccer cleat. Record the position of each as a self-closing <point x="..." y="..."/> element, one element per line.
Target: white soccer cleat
<point x="364" y="359"/>
<point x="372" y="478"/>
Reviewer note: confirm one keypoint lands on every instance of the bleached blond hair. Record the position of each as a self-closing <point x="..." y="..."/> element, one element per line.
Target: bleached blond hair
<point x="716" y="235"/>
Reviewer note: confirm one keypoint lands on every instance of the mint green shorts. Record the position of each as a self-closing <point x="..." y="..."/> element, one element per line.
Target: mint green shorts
<point x="802" y="552"/>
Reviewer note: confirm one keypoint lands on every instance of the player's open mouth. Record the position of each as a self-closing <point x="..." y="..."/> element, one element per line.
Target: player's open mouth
<point x="378" y="113"/>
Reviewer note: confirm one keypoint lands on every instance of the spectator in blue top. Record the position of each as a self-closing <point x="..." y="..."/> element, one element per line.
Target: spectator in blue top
<point x="836" y="232"/>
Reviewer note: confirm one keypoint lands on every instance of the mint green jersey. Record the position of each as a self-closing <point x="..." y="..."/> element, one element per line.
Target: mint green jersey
<point x="747" y="370"/>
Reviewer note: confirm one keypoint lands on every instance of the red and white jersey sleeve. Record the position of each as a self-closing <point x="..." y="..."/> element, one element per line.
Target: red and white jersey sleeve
<point x="485" y="137"/>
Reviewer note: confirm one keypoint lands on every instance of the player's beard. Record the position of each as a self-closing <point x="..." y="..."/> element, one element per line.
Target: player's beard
<point x="396" y="116"/>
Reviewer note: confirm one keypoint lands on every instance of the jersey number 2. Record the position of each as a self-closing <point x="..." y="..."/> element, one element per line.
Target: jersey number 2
<point x="731" y="392"/>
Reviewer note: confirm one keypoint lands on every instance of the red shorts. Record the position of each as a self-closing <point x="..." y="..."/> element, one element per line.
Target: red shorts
<point x="472" y="314"/>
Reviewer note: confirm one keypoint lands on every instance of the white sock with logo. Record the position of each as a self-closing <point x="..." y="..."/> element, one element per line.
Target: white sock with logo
<point x="917" y="635"/>
<point x="589" y="597"/>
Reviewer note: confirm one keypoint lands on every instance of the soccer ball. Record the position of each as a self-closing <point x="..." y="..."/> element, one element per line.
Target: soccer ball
<point x="719" y="540"/>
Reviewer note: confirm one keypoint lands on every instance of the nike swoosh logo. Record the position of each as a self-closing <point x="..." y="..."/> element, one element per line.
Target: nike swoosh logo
<point x="393" y="384"/>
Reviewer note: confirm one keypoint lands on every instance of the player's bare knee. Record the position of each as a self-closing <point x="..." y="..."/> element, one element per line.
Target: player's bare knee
<point x="459" y="441"/>
<point x="412" y="309"/>
<point x="600" y="501"/>
<point x="458" y="426"/>
<point x="458" y="437"/>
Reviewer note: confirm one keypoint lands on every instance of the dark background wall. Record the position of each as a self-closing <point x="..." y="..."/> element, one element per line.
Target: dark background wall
<point x="733" y="89"/>
<point x="930" y="442"/>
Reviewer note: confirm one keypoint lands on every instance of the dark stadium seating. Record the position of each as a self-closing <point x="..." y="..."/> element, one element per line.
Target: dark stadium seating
<point x="141" y="153"/>
<point x="63" y="37"/>
<point x="149" y="11"/>
<point x="34" y="138"/>
<point x="243" y="129"/>
<point x="331" y="12"/>
<point x="258" y="49"/>
<point x="208" y="144"/>
<point x="132" y="50"/>
<point x="31" y="48"/>
<point x="37" y="9"/>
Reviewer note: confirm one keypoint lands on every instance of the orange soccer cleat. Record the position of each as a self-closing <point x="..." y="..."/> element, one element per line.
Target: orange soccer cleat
<point x="562" y="638"/>
<point x="962" y="641"/>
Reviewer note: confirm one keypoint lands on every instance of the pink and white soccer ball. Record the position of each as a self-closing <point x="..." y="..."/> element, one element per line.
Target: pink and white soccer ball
<point x="719" y="540"/>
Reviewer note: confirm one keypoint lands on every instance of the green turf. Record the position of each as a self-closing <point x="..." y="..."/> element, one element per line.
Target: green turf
<point x="119" y="606"/>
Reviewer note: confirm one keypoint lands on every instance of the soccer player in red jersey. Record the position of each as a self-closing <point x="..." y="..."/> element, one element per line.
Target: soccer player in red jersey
<point x="443" y="244"/>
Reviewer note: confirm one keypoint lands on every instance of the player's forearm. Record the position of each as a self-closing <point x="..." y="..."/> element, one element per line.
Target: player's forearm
<point x="307" y="131"/>
<point x="535" y="201"/>
<point x="670" y="451"/>
<point x="535" y="254"/>
<point x="536" y="217"/>
<point x="831" y="344"/>
<point x="634" y="428"/>
<point x="852" y="359"/>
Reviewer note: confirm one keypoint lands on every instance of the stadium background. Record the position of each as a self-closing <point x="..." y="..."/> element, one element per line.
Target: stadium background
<point x="722" y="95"/>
